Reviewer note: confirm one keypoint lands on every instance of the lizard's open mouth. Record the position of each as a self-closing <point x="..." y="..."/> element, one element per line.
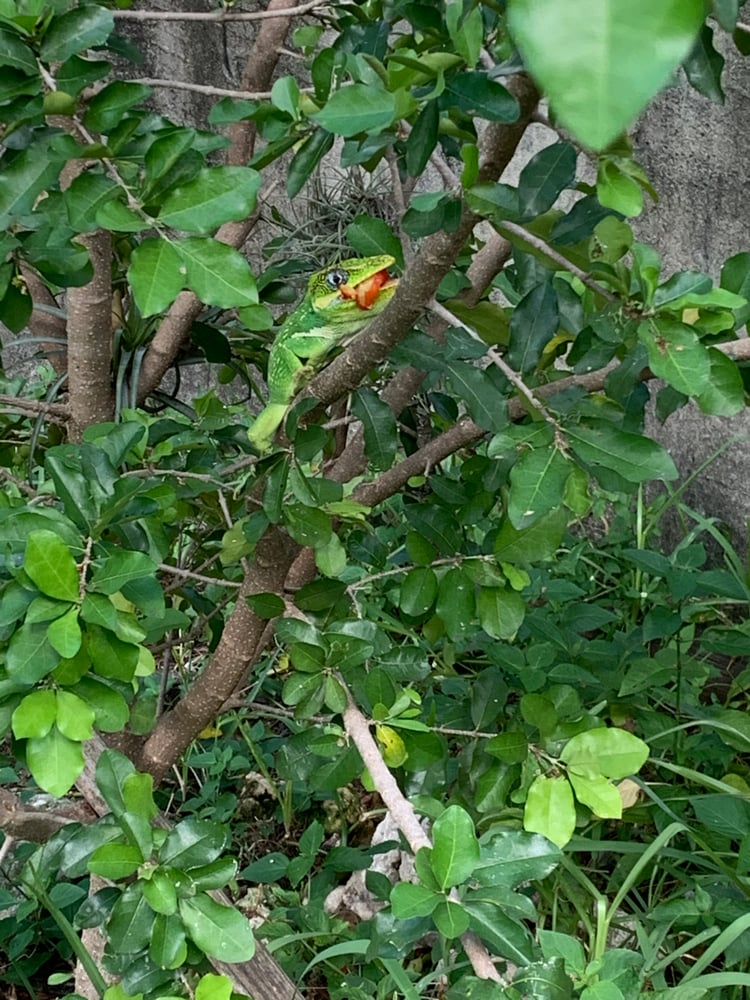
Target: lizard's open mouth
<point x="366" y="291"/>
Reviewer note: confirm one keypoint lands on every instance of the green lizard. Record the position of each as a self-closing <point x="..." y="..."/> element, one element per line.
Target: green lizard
<point x="339" y="302"/>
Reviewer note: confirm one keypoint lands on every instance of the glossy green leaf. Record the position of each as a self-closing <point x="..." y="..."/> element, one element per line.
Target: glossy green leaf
<point x="475" y="93"/>
<point x="308" y="525"/>
<point x="372" y="237"/>
<point x="54" y="761"/>
<point x="544" y="981"/>
<point x="217" y="195"/>
<point x="547" y="174"/>
<point x="221" y="931"/>
<point x="192" y="843"/>
<point x="120" y="568"/>
<point x="409" y="900"/>
<point x="159" y="890"/>
<point x="455" y="849"/>
<point x="218" y="274"/>
<point x="357" y="108"/>
<point x="418" y="591"/>
<point x="137" y="795"/>
<point x="616" y="189"/>
<point x="212" y="987"/>
<point x="724" y="396"/>
<point x="613" y="752"/>
<point x="76" y="30"/>
<point x="110" y="656"/>
<point x="115" y="861"/>
<point x="480" y="394"/>
<point x="533" y="324"/>
<point x="550" y="809"/>
<point x="635" y="458"/>
<point x="214" y="875"/>
<point x="676" y="354"/>
<point x="456" y="605"/>
<point x="16" y="53"/>
<point x="75" y="718"/>
<point x="539" y="543"/>
<point x="422" y="139"/>
<point x="378" y="426"/>
<point x="537" y="482"/>
<point x="704" y="66"/>
<point x="507" y="938"/>
<point x="131" y="922"/>
<point x="600" y="795"/>
<point x="306" y="158"/>
<point x="111" y="711"/>
<point x="64" y="634"/>
<point x="112" y="768"/>
<point x="87" y="194"/>
<point x="595" y="59"/>
<point x="155" y="275"/>
<point x="450" y="918"/>
<point x="168" y="946"/>
<point x="511" y="857"/>
<point x="501" y="612"/>
<point x="331" y="558"/>
<point x="106" y="109"/>
<point x="735" y="277"/>
<point x="30" y="656"/>
<point x="50" y="565"/>
<point x="35" y="716"/>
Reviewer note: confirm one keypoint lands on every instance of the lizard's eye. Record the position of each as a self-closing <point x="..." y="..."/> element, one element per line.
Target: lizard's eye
<point x="337" y="278"/>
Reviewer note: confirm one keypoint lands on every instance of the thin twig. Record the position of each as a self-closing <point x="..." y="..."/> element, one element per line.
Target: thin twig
<point x="219" y="16"/>
<point x="200" y="88"/>
<point x="189" y="575"/>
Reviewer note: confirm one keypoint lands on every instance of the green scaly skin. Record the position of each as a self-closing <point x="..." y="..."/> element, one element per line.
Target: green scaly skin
<point x="323" y="319"/>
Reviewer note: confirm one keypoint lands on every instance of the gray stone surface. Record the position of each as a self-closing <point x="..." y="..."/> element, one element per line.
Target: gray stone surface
<point x="695" y="153"/>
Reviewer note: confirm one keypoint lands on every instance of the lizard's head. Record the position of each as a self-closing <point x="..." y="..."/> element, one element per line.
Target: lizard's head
<point x="352" y="291"/>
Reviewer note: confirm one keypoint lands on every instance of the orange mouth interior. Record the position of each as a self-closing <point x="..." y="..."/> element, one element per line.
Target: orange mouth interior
<point x="365" y="292"/>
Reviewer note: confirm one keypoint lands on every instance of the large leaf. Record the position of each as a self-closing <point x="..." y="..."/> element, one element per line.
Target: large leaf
<point x="533" y="324"/>
<point x="613" y="752"/>
<point x="78" y="29"/>
<point x="676" y="354"/>
<point x="50" y="565"/>
<point x="596" y="59"/>
<point x="635" y="458"/>
<point x="455" y="851"/>
<point x="221" y="931"/>
<point x="550" y="809"/>
<point x="215" y="196"/>
<point x="54" y="761"/>
<point x="357" y="108"/>
<point x="379" y="427"/>
<point x="544" y="177"/>
<point x="218" y="274"/>
<point x="537" y="482"/>
<point x="155" y="276"/>
<point x="192" y="843"/>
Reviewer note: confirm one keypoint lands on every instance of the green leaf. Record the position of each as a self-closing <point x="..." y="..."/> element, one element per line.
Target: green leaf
<point x="539" y="543"/>
<point x="112" y="768"/>
<point x="550" y="809"/>
<point x="306" y="158"/>
<point x="501" y="612"/>
<point x="115" y="861"/>
<point x="87" y="194"/>
<point x="418" y="591"/>
<point x="137" y="795"/>
<point x="422" y="139"/>
<point x="14" y="52"/>
<point x="600" y="795"/>
<point x="676" y="354"/>
<point x="618" y="190"/>
<point x="111" y="711"/>
<point x="193" y="843"/>
<point x="599" y="78"/>
<point x="545" y="177"/>
<point x="168" y="946"/>
<point x="537" y="483"/>
<point x="110" y="656"/>
<point x="544" y="981"/>
<point x="108" y="107"/>
<point x="409" y="900"/>
<point x="213" y="987"/>
<point x="450" y="918"/>
<point x="75" y="718"/>
<point x="637" y="459"/>
<point x="371" y="237"/>
<point x="533" y="324"/>
<point x="724" y="396"/>
<point x="155" y="275"/>
<point x="30" y="656"/>
<point x="331" y="557"/>
<point x="160" y="891"/>
<point x="217" y="195"/>
<point x="308" y="525"/>
<point x="35" y="715"/>
<point x="357" y="108"/>
<point x="78" y="29"/>
<point x="507" y="938"/>
<point x="613" y="752"/>
<point x="704" y="66"/>
<point x="50" y="565"/>
<point x="54" y="761"/>
<point x="218" y="274"/>
<point x="119" y="568"/>
<point x="131" y="922"/>
<point x="455" y="848"/>
<point x="456" y="605"/>
<point x="735" y="277"/>
<point x="64" y="634"/>
<point x="220" y="931"/>
<point x="476" y="94"/>
<point x="379" y="427"/>
<point x="480" y="394"/>
<point x="512" y="857"/>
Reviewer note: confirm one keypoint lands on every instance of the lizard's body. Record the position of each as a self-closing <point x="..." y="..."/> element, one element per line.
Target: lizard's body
<point x="340" y="300"/>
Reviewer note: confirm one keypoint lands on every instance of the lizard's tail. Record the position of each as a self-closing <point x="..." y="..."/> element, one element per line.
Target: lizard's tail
<point x="266" y="424"/>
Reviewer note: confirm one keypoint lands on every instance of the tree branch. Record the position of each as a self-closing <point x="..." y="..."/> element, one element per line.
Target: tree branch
<point x="220" y="15"/>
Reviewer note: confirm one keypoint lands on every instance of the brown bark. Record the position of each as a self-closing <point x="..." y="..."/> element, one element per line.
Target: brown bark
<point x="46" y="324"/>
